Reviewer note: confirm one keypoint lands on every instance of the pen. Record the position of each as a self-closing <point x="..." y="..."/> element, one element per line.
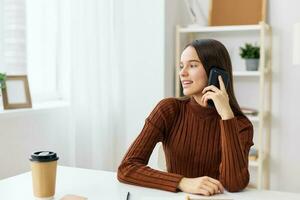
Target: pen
<point x="128" y="194"/>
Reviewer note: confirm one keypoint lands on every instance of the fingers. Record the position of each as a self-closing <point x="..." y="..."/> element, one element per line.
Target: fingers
<point x="210" y="190"/>
<point x="214" y="88"/>
<point x="214" y="184"/>
<point x="222" y="85"/>
<point x="204" y="192"/>
<point x="218" y="183"/>
<point x="206" y="97"/>
<point x="211" y="187"/>
<point x="210" y="88"/>
<point x="213" y="93"/>
<point x="202" y="185"/>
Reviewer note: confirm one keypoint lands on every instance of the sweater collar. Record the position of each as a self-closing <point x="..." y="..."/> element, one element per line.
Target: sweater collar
<point x="200" y="110"/>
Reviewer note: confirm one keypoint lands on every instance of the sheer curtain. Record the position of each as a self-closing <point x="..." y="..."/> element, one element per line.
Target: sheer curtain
<point x="43" y="48"/>
<point x="96" y="78"/>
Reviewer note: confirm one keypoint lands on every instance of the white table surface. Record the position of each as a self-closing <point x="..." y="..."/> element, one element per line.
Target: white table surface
<point x="96" y="185"/>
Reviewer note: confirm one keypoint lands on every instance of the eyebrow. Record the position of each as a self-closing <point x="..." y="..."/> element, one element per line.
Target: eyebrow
<point x="192" y="61"/>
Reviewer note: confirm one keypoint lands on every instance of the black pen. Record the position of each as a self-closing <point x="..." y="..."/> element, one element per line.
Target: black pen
<point x="128" y="194"/>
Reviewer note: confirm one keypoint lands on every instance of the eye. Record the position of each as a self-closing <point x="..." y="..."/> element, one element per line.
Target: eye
<point x="180" y="66"/>
<point x="193" y="65"/>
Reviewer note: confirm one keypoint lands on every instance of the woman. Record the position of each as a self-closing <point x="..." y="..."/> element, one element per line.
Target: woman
<point x="206" y="148"/>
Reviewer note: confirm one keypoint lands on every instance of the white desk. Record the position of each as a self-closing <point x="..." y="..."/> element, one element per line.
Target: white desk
<point x="102" y="185"/>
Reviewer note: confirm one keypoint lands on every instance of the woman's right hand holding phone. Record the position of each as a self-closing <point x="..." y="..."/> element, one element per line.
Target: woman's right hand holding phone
<point x="202" y="185"/>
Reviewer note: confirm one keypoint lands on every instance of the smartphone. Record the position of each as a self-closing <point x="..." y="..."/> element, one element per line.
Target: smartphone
<point x="213" y="80"/>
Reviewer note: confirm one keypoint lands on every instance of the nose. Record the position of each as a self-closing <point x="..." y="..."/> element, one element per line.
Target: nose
<point x="183" y="72"/>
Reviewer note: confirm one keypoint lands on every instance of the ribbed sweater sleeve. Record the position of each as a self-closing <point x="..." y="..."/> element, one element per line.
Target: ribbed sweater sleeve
<point x="133" y="169"/>
<point x="236" y="140"/>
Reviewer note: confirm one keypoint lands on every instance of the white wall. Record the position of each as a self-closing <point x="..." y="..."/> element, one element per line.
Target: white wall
<point x="285" y="138"/>
<point x="27" y="131"/>
<point x="174" y="15"/>
<point x="143" y="63"/>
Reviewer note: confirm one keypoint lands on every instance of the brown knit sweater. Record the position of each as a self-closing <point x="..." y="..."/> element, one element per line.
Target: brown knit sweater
<point x="196" y="143"/>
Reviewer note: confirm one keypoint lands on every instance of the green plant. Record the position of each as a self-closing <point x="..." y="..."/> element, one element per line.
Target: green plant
<point x="2" y="80"/>
<point x="249" y="51"/>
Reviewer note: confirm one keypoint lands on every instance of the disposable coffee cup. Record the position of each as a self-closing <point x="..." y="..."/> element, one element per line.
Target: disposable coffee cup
<point x="43" y="167"/>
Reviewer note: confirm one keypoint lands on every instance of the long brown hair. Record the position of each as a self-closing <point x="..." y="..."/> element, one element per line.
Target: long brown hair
<point x="213" y="53"/>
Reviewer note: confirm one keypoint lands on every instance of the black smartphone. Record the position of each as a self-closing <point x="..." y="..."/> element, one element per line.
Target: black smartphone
<point x="213" y="80"/>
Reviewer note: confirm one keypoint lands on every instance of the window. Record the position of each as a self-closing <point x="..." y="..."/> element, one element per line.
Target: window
<point x="12" y="34"/>
<point x="31" y="44"/>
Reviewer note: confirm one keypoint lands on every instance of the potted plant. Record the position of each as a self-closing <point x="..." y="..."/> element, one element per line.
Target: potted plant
<point x="2" y="80"/>
<point x="251" y="55"/>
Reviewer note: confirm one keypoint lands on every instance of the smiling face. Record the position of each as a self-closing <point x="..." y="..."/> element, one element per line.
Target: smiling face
<point x="192" y="73"/>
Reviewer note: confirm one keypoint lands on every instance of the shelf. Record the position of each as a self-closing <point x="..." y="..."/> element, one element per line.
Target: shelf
<point x="246" y="73"/>
<point x="253" y="163"/>
<point x="203" y="29"/>
<point x="252" y="186"/>
<point x="253" y="118"/>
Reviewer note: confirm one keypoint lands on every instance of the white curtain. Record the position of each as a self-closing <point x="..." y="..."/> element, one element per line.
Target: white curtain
<point x="96" y="93"/>
<point x="43" y="49"/>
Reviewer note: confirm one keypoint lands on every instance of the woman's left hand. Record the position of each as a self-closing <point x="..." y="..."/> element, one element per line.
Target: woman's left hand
<point x="220" y="99"/>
